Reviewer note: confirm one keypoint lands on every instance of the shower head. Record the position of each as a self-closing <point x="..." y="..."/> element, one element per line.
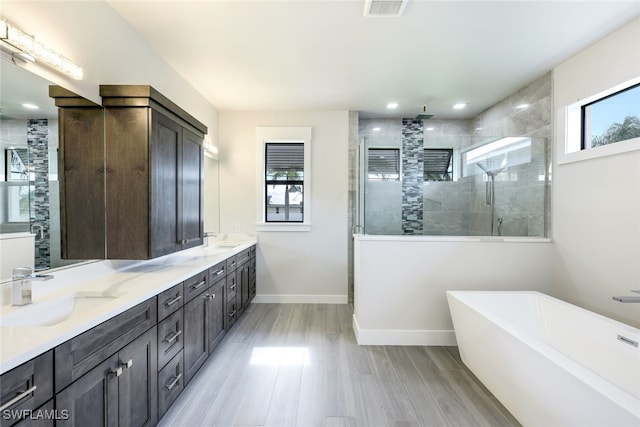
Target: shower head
<point x="423" y="115"/>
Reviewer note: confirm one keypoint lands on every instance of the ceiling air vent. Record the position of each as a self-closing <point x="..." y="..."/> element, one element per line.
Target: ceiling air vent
<point x="388" y="8"/>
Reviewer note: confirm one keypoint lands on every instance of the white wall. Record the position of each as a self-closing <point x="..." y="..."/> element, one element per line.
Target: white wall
<point x="401" y="282"/>
<point x="291" y="266"/>
<point x="596" y="203"/>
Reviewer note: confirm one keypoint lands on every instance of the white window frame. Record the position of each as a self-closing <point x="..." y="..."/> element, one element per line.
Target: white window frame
<point x="282" y="135"/>
<point x="571" y="151"/>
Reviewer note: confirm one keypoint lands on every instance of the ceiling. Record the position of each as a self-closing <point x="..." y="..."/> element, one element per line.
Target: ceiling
<point x="325" y="55"/>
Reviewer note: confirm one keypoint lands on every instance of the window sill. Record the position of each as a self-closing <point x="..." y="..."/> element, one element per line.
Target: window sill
<point x="279" y="226"/>
<point x="594" y="153"/>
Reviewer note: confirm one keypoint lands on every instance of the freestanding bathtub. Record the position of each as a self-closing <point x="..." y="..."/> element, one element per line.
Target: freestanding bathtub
<point x="550" y="363"/>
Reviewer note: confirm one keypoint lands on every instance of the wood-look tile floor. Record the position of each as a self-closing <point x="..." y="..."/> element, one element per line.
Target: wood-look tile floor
<point x="299" y="365"/>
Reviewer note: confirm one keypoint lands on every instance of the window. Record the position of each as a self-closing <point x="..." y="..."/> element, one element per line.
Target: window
<point x="283" y="179"/>
<point x="383" y="164"/>
<point x="438" y="164"/>
<point x="603" y="124"/>
<point x="284" y="182"/>
<point x="611" y="119"/>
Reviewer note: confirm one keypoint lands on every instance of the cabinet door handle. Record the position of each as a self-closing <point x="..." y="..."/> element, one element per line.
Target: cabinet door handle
<point x="233" y="313"/>
<point x="173" y="301"/>
<point x="173" y="382"/>
<point x="18" y="398"/>
<point x="183" y="241"/>
<point x="172" y="337"/>
<point x="127" y="364"/>
<point x="117" y="371"/>
<point x="209" y="296"/>
<point x="232" y="287"/>
<point x="199" y="285"/>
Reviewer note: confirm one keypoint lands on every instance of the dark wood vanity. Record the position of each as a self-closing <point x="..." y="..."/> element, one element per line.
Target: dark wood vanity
<point x="128" y="370"/>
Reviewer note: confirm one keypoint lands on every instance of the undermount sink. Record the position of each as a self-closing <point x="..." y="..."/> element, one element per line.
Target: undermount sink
<point x="50" y="312"/>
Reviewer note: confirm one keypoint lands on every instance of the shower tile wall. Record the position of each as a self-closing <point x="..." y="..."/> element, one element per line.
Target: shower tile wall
<point x="37" y="141"/>
<point x="412" y="176"/>
<point x="532" y="196"/>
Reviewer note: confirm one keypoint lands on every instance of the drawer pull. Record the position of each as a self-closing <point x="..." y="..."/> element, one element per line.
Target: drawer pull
<point x="173" y="301"/>
<point x="117" y="371"/>
<point x="233" y="313"/>
<point x="173" y="382"/>
<point x="127" y="364"/>
<point x="232" y="287"/>
<point x="173" y="337"/>
<point x="199" y="285"/>
<point x="219" y="272"/>
<point x="18" y="398"/>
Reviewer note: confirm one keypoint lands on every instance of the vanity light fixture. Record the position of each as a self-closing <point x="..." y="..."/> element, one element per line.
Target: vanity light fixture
<point x="28" y="48"/>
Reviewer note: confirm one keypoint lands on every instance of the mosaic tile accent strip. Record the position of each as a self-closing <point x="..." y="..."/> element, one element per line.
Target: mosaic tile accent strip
<point x="412" y="176"/>
<point x="38" y="143"/>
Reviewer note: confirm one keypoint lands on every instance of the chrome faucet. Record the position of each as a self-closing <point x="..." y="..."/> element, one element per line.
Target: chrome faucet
<point x="21" y="288"/>
<point x="629" y="298"/>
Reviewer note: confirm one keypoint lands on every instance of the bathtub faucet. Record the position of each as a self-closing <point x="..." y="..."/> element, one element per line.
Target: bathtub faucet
<point x="629" y="298"/>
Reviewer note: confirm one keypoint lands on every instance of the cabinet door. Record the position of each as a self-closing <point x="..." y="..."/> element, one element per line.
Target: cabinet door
<point x="92" y="400"/>
<point x="137" y="388"/>
<point x="191" y="180"/>
<point x="244" y="284"/>
<point x="216" y="315"/>
<point x="166" y="142"/>
<point x="196" y="341"/>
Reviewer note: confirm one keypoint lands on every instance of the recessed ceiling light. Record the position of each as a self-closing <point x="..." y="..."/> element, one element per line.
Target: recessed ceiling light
<point x="459" y="105"/>
<point x="522" y="106"/>
<point x="429" y="129"/>
<point x="376" y="129"/>
<point x="392" y="105"/>
<point x="30" y="106"/>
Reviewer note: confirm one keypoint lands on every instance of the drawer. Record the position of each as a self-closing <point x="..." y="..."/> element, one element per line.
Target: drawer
<point x="232" y="263"/>
<point x="231" y="315"/>
<point x="170" y="383"/>
<point x="79" y="355"/>
<point x="243" y="256"/>
<point x="170" y="300"/>
<point x="217" y="272"/>
<point x="232" y="286"/>
<point x="195" y="285"/>
<point x="170" y="338"/>
<point x="26" y="387"/>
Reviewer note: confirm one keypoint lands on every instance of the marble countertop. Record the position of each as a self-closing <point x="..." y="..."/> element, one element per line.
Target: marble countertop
<point x="101" y="294"/>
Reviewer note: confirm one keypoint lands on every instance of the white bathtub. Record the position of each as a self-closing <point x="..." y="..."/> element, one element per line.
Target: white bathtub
<point x="550" y="363"/>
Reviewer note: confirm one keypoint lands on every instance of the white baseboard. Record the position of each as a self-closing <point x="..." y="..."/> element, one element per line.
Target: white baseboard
<point x="403" y="337"/>
<point x="300" y="299"/>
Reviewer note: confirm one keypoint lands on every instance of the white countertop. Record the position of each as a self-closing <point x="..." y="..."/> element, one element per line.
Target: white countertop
<point x="100" y="297"/>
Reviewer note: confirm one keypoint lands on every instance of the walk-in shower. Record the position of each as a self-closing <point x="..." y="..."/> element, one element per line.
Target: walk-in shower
<point x="452" y="185"/>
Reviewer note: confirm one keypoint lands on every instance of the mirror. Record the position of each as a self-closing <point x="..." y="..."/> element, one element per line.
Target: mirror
<point x="29" y="186"/>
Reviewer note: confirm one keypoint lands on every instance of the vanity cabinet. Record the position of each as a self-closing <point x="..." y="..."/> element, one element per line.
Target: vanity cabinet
<point x="27" y="387"/>
<point x="128" y="370"/>
<point x="154" y="174"/>
<point x="120" y="391"/>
